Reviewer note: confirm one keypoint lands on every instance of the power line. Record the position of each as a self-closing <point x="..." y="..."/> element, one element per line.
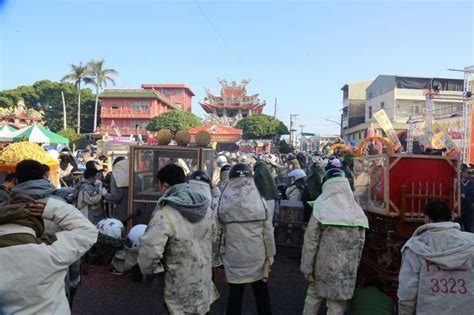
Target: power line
<point x="213" y="26"/>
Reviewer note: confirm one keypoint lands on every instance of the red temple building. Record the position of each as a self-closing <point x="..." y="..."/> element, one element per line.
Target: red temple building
<point x="231" y="105"/>
<point x="128" y="111"/>
<point x="20" y="116"/>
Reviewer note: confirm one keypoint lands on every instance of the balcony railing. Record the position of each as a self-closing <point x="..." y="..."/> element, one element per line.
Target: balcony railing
<point x="125" y="113"/>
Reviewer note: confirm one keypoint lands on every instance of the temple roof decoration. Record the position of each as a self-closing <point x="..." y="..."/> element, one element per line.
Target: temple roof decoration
<point x="232" y="104"/>
<point x="20" y="116"/>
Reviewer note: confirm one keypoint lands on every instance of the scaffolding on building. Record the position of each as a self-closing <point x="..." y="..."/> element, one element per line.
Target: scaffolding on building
<point x="430" y="112"/>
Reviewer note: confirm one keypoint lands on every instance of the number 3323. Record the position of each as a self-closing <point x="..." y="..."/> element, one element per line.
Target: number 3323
<point x="448" y="286"/>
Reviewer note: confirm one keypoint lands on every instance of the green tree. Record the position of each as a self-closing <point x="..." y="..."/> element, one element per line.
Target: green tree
<point x="284" y="147"/>
<point x="100" y="78"/>
<point x="71" y="134"/>
<point x="25" y="93"/>
<point x="46" y="95"/>
<point x="5" y="101"/>
<point x="174" y="120"/>
<point x="51" y="102"/>
<point x="261" y="127"/>
<point x="79" y="73"/>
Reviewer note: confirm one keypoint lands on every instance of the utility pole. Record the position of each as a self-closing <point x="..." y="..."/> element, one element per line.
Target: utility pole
<point x="64" y="111"/>
<point x="275" y="109"/>
<point x="292" y="128"/>
<point x="301" y="137"/>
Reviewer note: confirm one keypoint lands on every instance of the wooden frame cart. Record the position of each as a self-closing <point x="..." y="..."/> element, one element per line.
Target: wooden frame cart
<point x="393" y="190"/>
<point x="146" y="160"/>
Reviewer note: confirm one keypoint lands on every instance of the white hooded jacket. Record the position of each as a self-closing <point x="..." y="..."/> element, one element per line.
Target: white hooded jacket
<point x="248" y="238"/>
<point x="32" y="275"/>
<point x="334" y="240"/>
<point x="436" y="276"/>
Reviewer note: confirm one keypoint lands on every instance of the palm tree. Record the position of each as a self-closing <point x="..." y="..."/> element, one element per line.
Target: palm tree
<point x="100" y="78"/>
<point x="79" y="73"/>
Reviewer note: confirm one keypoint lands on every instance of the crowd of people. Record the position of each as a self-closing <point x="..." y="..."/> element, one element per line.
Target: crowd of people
<point x="220" y="220"/>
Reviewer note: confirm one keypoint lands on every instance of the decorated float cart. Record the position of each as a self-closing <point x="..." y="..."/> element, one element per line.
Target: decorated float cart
<point x="394" y="189"/>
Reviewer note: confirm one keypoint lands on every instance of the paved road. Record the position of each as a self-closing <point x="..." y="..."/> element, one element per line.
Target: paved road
<point x="104" y="293"/>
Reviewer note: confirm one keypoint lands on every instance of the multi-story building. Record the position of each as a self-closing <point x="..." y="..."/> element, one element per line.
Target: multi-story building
<point x="353" y="107"/>
<point x="130" y="110"/>
<point x="403" y="98"/>
<point x="317" y="142"/>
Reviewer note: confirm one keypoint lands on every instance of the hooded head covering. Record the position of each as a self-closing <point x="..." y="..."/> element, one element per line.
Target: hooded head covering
<point x="36" y="189"/>
<point x="120" y="170"/>
<point x="442" y="243"/>
<point x="241" y="202"/>
<point x="191" y="205"/>
<point x="200" y="187"/>
<point x="224" y="176"/>
<point x="337" y="206"/>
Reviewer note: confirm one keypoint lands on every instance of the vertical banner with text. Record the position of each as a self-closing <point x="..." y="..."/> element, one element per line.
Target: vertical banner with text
<point x="441" y="138"/>
<point x="385" y="123"/>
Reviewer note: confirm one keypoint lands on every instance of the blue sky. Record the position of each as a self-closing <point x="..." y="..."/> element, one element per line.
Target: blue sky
<point x="301" y="53"/>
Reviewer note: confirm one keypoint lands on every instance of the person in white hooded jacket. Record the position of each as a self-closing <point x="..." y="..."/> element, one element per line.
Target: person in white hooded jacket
<point x="247" y="242"/>
<point x="200" y="183"/>
<point x="32" y="269"/>
<point x="333" y="244"/>
<point x="178" y="241"/>
<point x="436" y="276"/>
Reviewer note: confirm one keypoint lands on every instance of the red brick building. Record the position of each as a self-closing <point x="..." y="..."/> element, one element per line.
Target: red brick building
<point x="130" y="110"/>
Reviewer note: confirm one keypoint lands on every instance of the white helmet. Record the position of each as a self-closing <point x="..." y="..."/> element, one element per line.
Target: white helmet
<point x="133" y="237"/>
<point x="111" y="227"/>
<point x="221" y="160"/>
<point x="296" y="174"/>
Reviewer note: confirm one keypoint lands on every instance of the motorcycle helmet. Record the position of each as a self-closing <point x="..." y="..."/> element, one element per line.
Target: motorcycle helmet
<point x="334" y="162"/>
<point x="296" y="174"/>
<point x="201" y="176"/>
<point x="133" y="237"/>
<point x="334" y="173"/>
<point x="221" y="160"/>
<point x="111" y="227"/>
<point x="225" y="168"/>
<point x="240" y="170"/>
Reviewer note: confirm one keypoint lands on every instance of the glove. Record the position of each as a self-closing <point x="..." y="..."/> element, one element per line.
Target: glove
<point x="103" y="192"/>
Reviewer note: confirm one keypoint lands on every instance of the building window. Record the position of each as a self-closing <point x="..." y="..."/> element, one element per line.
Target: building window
<point x="137" y="123"/>
<point x="382" y="105"/>
<point x="140" y="106"/>
<point x="114" y="106"/>
<point x="179" y="105"/>
<point x="370" y="112"/>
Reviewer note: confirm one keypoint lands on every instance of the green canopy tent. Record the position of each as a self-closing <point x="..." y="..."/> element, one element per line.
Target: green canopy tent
<point x="6" y="130"/>
<point x="36" y="133"/>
